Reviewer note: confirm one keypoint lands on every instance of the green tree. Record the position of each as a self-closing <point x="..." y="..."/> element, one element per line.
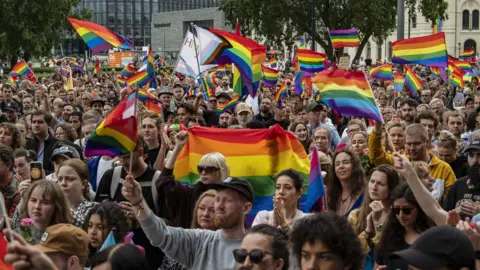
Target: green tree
<point x="282" y="21"/>
<point x="31" y="27"/>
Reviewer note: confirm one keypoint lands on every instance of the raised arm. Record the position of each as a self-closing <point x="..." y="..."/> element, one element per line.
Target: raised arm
<point x="426" y="201"/>
<point x="376" y="152"/>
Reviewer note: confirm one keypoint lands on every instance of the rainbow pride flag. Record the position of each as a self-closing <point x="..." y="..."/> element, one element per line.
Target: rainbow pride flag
<point x="456" y="77"/>
<point x="468" y="53"/>
<point x="250" y="155"/>
<point x="270" y="76"/>
<point x="116" y="135"/>
<point x="139" y="79"/>
<point x="437" y="28"/>
<point x="221" y="70"/>
<point x="12" y="80"/>
<point x="463" y="65"/>
<point x="347" y="93"/>
<point x="209" y="85"/>
<point x="344" y="38"/>
<point x="228" y="106"/>
<point x="129" y="70"/>
<point x="383" y="72"/>
<point x="310" y="61"/>
<point x="191" y="91"/>
<point x="378" y="62"/>
<point x="280" y="94"/>
<point x="273" y="62"/>
<point x="239" y="86"/>
<point x="412" y="81"/>
<point x="96" y="67"/>
<point x="21" y="68"/>
<point x="121" y="81"/>
<point x="298" y="83"/>
<point x="99" y="38"/>
<point x="427" y="51"/>
<point x="302" y="42"/>
<point x="247" y="55"/>
<point x="398" y="82"/>
<point x="144" y="95"/>
<point x="316" y="186"/>
<point x="154" y="107"/>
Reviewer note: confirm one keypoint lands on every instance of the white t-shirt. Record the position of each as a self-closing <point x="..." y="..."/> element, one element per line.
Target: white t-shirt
<point x="103" y="166"/>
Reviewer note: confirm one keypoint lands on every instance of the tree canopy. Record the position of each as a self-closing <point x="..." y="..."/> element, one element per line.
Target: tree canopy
<point x="31" y="27"/>
<point x="283" y="21"/>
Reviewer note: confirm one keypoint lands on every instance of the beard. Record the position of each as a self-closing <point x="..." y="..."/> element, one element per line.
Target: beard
<point x="225" y="221"/>
<point x="265" y="110"/>
<point x="223" y="125"/>
<point x="408" y="118"/>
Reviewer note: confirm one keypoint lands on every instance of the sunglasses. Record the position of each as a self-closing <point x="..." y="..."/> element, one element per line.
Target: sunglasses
<point x="256" y="255"/>
<point x="207" y="169"/>
<point x="405" y="210"/>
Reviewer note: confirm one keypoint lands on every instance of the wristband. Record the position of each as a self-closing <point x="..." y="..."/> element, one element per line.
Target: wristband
<point x="138" y="203"/>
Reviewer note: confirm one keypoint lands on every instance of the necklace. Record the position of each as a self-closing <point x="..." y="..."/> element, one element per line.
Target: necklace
<point x="344" y="200"/>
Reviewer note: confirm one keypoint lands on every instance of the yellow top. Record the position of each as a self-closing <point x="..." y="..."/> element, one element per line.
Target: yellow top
<point x="353" y="219"/>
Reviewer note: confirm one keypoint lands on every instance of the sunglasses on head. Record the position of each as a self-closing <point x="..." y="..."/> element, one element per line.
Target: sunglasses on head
<point x="405" y="210"/>
<point x="206" y="169"/>
<point x="256" y="255"/>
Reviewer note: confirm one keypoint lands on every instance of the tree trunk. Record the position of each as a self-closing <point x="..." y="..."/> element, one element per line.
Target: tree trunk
<point x="361" y="47"/>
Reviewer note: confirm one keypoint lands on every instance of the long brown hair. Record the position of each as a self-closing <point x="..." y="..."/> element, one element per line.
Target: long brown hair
<point x="357" y="181"/>
<point x="211" y="193"/>
<point x="393" y="179"/>
<point x="17" y="137"/>
<point x="61" y="212"/>
<point x="308" y="140"/>
<point x="81" y="169"/>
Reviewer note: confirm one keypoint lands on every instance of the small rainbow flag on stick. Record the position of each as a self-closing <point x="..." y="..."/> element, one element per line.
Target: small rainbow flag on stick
<point x="139" y="79"/>
<point x="298" y="83"/>
<point x="344" y="38"/>
<point x="270" y="76"/>
<point x="398" y="82"/>
<point x="412" y="81"/>
<point x="383" y="72"/>
<point x="21" y="68"/>
<point x="273" y="62"/>
<point x="228" y="106"/>
<point x="310" y="61"/>
<point x="456" y="76"/>
<point x="468" y="53"/>
<point x="428" y="51"/>
<point x="154" y="107"/>
<point x="281" y="93"/>
<point x="129" y="70"/>
<point x="347" y="93"/>
<point x="209" y="85"/>
<point x="96" y="68"/>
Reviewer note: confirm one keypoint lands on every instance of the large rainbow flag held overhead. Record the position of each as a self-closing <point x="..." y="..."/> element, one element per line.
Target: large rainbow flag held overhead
<point x="116" y="135"/>
<point x="383" y="72"/>
<point x="20" y="68"/>
<point x="347" y="93"/>
<point x="247" y="55"/>
<point x="344" y="38"/>
<point x="427" y="51"/>
<point x="270" y="76"/>
<point x="254" y="154"/>
<point x="310" y="61"/>
<point x="99" y="38"/>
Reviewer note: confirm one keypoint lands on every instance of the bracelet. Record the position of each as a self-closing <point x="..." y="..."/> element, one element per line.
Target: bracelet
<point x="138" y="203"/>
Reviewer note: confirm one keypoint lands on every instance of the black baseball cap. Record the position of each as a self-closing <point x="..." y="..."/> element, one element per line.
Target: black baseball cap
<point x="440" y="246"/>
<point x="314" y="105"/>
<point x="224" y="95"/>
<point x="473" y="142"/>
<point x="238" y="184"/>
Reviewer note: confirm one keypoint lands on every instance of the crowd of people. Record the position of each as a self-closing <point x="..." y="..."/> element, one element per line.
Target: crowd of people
<point x="404" y="194"/>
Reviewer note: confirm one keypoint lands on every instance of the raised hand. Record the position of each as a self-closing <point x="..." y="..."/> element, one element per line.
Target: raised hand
<point x="131" y="190"/>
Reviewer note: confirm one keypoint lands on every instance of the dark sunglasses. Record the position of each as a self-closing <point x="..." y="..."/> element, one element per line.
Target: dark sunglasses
<point x="256" y="255"/>
<point x="207" y="169"/>
<point x="405" y="210"/>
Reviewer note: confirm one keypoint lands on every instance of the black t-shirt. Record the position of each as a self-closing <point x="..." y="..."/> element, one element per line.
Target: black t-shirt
<point x="211" y="118"/>
<point x="460" y="167"/>
<point x="152" y="156"/>
<point x="458" y="193"/>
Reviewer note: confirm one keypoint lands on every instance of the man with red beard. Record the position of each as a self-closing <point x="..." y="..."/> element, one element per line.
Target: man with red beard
<point x="199" y="249"/>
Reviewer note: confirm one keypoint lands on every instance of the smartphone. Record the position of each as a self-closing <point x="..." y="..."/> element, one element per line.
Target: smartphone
<point x="36" y="168"/>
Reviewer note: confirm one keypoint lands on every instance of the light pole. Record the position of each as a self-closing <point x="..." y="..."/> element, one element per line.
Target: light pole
<point x="400" y="19"/>
<point x="314" y="25"/>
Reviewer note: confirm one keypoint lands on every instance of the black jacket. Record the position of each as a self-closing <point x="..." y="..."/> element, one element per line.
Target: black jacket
<point x="32" y="144"/>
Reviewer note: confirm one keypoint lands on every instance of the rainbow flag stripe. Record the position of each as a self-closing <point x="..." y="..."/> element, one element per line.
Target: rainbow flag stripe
<point x="121" y="81"/>
<point x="129" y="70"/>
<point x="139" y="79"/>
<point x="344" y="38"/>
<point x="427" y="51"/>
<point x="463" y="65"/>
<point x="229" y="106"/>
<point x="154" y="107"/>
<point x="398" y="82"/>
<point x="96" y="67"/>
<point x="437" y="28"/>
<point x="250" y="155"/>
<point x="191" y="91"/>
<point x="99" y="38"/>
<point x="209" y="85"/>
<point x="280" y="94"/>
<point x="270" y="76"/>
<point x="383" y="72"/>
<point x="12" y="80"/>
<point x="239" y="86"/>
<point x="247" y="55"/>
<point x="378" y="62"/>
<point x="273" y="62"/>
<point x="347" y="93"/>
<point x="412" y="81"/>
<point x="21" y="68"/>
<point x="145" y="95"/>
<point x="221" y="70"/>
<point x="116" y="135"/>
<point x="456" y="77"/>
<point x="298" y="83"/>
<point x="468" y="53"/>
<point x="310" y="61"/>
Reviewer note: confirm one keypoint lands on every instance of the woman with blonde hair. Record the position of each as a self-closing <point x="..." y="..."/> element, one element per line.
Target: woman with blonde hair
<point x="176" y="201"/>
<point x="203" y="218"/>
<point x="72" y="177"/>
<point x="45" y="204"/>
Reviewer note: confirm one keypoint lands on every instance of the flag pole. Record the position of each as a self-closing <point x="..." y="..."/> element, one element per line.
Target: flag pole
<point x="135" y="115"/>
<point x="194" y="31"/>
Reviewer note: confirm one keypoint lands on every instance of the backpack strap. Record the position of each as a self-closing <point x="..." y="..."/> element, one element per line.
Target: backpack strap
<point x="116" y="180"/>
<point x="154" y="189"/>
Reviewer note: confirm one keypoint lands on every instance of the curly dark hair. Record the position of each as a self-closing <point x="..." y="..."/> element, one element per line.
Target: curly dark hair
<point x="279" y="242"/>
<point x="113" y="215"/>
<point x="357" y="181"/>
<point x="393" y="235"/>
<point x="17" y="137"/>
<point x="69" y="130"/>
<point x="334" y="232"/>
<point x="294" y="175"/>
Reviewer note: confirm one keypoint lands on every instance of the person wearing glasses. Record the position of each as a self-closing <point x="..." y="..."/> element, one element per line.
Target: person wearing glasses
<point x="405" y="223"/>
<point x="264" y="247"/>
<point x="176" y="201"/>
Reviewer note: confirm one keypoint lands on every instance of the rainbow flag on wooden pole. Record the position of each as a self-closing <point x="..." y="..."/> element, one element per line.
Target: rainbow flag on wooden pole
<point x="468" y="53"/>
<point x="344" y="38"/>
<point x="310" y="61"/>
<point x="412" y="81"/>
<point x="428" y="51"/>
<point x="383" y="72"/>
<point x="270" y="76"/>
